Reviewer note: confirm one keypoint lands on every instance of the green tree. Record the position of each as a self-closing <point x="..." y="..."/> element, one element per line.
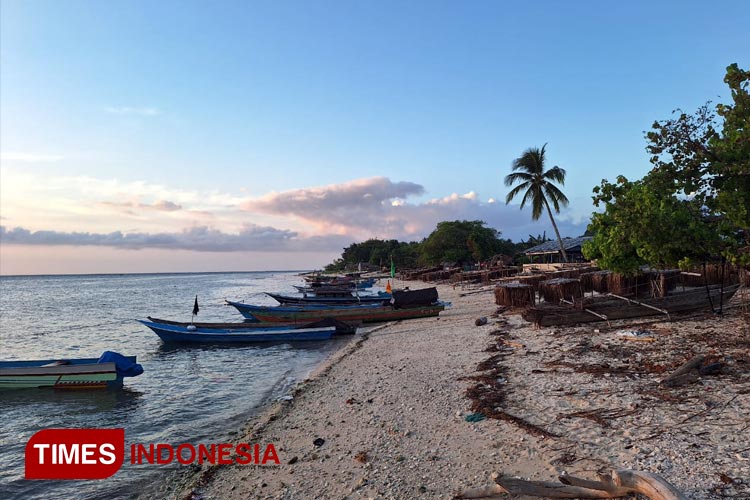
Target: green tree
<point x="538" y="186"/>
<point x="706" y="155"/>
<point x="644" y="224"/>
<point x="460" y="241"/>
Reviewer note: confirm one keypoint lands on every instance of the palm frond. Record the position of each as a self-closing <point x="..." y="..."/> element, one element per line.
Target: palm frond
<point x="515" y="192"/>
<point x="555" y="174"/>
<point x="511" y="179"/>
<point x="531" y="161"/>
<point x="527" y="195"/>
<point x="556" y="196"/>
<point x="537" y="204"/>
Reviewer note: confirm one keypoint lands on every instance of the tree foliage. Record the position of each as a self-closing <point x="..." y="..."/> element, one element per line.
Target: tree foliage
<point x="643" y="225"/>
<point x="463" y="242"/>
<point x="377" y="252"/>
<point x="694" y="205"/>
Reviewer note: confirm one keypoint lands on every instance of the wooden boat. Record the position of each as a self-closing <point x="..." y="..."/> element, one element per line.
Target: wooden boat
<point x="611" y="307"/>
<point x="86" y="373"/>
<point x="381" y="298"/>
<point x="340" y="281"/>
<point x="342" y="327"/>
<point x="365" y="313"/>
<point x="192" y="333"/>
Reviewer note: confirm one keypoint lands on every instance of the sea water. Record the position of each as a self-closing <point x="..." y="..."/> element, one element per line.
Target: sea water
<point x="187" y="394"/>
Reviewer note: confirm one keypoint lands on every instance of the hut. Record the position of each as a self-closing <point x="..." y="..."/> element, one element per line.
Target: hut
<point x="549" y="251"/>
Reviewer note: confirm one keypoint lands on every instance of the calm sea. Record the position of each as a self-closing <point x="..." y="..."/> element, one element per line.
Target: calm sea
<point x="194" y="394"/>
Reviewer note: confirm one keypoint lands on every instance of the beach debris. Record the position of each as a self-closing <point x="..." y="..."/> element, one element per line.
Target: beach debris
<point x="601" y="416"/>
<point x="361" y="457"/>
<point x="693" y="368"/>
<point x="481" y="321"/>
<point x="287" y="397"/>
<point x="618" y="483"/>
<point x="725" y="479"/>
<point x="319" y="442"/>
<point x="639" y="334"/>
<point x="293" y="460"/>
<point x="474" y="417"/>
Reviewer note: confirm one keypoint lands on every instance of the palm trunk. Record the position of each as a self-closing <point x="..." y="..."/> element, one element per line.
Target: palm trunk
<point x="559" y="240"/>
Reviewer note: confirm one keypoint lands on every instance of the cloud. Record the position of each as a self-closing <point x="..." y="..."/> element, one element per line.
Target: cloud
<point x="127" y="110"/>
<point x="29" y="157"/>
<point x="378" y="207"/>
<point x="335" y="198"/>
<point x="202" y="239"/>
<point x="337" y="207"/>
<point x="128" y="206"/>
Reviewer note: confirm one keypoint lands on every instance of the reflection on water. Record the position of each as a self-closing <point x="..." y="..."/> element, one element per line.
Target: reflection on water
<point x="188" y="393"/>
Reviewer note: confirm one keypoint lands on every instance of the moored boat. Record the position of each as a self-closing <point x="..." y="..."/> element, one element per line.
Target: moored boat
<point x="108" y="370"/>
<point x="192" y="333"/>
<point x="365" y="313"/>
<point x="342" y="328"/>
<point x="381" y="298"/>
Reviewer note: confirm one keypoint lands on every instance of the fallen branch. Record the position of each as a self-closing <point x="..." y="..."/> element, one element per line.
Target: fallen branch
<point x="685" y="373"/>
<point x="617" y="484"/>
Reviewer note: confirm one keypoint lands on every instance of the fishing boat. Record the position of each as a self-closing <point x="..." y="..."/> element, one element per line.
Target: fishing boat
<point x="366" y="313"/>
<point x="192" y="333"/>
<point x="342" y="328"/>
<point x="108" y="370"/>
<point x="348" y="298"/>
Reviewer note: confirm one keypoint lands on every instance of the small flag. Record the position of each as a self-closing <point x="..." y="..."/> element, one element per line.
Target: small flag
<point x="393" y="269"/>
<point x="195" y="307"/>
<point x="388" y="288"/>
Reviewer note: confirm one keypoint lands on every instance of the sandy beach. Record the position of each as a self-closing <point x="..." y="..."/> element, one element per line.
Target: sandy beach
<point x="391" y="409"/>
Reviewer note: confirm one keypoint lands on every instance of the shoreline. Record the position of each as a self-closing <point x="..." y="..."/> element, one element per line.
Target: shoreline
<point x="181" y="482"/>
<point x="392" y="404"/>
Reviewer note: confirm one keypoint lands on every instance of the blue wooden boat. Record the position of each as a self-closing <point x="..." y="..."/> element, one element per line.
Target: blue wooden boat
<point x="108" y="370"/>
<point x="342" y="327"/>
<point x="240" y="333"/>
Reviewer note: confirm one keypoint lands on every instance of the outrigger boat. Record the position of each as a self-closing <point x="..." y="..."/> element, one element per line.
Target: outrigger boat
<point x="241" y="333"/>
<point x="85" y="373"/>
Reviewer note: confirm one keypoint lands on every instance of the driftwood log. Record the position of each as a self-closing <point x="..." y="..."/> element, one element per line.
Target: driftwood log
<point x="695" y="367"/>
<point x="618" y="483"/>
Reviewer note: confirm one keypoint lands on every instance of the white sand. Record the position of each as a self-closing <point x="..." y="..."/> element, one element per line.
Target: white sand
<point x="395" y="399"/>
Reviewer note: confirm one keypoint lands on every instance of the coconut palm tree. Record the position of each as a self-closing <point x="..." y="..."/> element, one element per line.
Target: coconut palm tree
<point x="539" y="187"/>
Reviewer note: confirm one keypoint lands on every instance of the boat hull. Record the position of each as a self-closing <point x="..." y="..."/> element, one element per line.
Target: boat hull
<point x="342" y="328"/>
<point x="84" y="373"/>
<point x="178" y="333"/>
<point x="365" y="314"/>
<point x="350" y="300"/>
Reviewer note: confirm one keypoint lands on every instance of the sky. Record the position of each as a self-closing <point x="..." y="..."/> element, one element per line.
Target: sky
<point x="140" y="136"/>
